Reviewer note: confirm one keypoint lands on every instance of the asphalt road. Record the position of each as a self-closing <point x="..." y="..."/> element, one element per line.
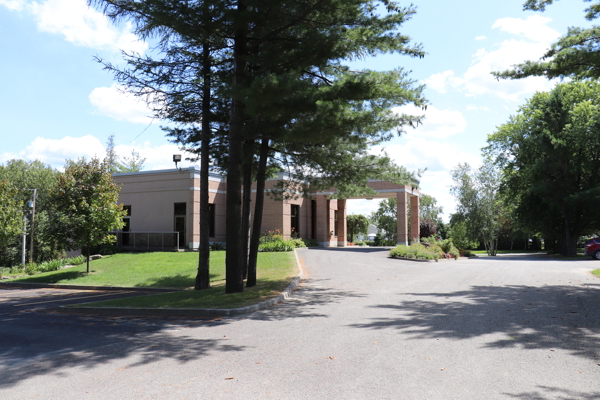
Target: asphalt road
<point x="360" y="326"/>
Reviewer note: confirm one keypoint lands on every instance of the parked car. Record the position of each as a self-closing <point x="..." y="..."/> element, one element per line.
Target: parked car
<point x="592" y="248"/>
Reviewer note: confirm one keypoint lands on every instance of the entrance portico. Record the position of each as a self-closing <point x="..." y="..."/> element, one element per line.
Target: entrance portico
<point x="331" y="223"/>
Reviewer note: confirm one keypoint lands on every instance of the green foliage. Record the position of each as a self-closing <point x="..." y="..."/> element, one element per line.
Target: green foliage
<point x="216" y="246"/>
<point x="277" y="245"/>
<point x="574" y="55"/>
<point x="384" y="218"/>
<point x="460" y="236"/>
<point x="85" y="206"/>
<point x="361" y="243"/>
<point x="357" y="224"/>
<point x="428" y="227"/>
<point x="548" y="154"/>
<point x="479" y="202"/>
<point x="415" y="251"/>
<point x="310" y="242"/>
<point x="24" y="176"/>
<point x="11" y="213"/>
<point x="271" y="236"/>
<point x="134" y="163"/>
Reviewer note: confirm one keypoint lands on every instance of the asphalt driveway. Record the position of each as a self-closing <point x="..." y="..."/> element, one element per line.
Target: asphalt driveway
<point x="360" y="326"/>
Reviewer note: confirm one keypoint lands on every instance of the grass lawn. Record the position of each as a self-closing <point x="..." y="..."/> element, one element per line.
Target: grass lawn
<point x="596" y="272"/>
<point x="483" y="252"/>
<point x="176" y="270"/>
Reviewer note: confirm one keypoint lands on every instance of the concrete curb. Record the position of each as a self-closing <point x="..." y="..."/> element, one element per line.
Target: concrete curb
<point x="190" y="312"/>
<point x="27" y="285"/>
<point x="422" y="261"/>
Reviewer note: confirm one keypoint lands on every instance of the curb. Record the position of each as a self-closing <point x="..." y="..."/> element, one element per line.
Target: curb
<point x="423" y="261"/>
<point x="190" y="312"/>
<point x="27" y="285"/>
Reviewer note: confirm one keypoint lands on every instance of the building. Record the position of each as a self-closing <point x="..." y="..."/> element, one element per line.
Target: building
<point x="160" y="203"/>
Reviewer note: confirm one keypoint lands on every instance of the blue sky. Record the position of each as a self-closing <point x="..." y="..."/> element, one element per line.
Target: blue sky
<point x="56" y="102"/>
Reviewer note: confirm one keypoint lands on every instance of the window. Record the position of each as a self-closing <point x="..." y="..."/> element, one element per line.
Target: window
<point x="211" y="220"/>
<point x="295" y="220"/>
<point x="126" y="227"/>
<point x="335" y="222"/>
<point x="180" y="208"/>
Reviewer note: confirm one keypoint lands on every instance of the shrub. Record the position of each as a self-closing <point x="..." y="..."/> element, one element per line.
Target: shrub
<point x="310" y="242"/>
<point x="279" y="245"/>
<point x="361" y="243"/>
<point x="467" y="253"/>
<point x="75" y="260"/>
<point x="296" y="243"/>
<point x="454" y="252"/>
<point x="416" y="251"/>
<point x="31" y="269"/>
<point x="216" y="246"/>
<point x="370" y="243"/>
<point x="108" y="249"/>
<point x="427" y="227"/>
<point x="271" y="236"/>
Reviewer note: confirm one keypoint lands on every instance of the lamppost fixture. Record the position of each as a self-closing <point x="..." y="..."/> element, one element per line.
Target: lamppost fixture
<point x="176" y="159"/>
<point x="31" y="205"/>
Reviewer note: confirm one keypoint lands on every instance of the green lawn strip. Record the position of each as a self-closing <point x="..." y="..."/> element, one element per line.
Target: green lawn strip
<point x="483" y="252"/>
<point x="596" y="272"/>
<point x="579" y="256"/>
<point x="274" y="273"/>
<point x="159" y="269"/>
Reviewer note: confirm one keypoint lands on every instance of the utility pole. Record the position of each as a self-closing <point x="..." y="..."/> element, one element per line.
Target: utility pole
<point x="23" y="251"/>
<point x="32" y="225"/>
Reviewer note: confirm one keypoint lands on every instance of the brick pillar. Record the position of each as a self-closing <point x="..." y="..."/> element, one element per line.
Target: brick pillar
<point x="322" y="228"/>
<point x="415" y="211"/>
<point x="402" y="218"/>
<point x="342" y="226"/>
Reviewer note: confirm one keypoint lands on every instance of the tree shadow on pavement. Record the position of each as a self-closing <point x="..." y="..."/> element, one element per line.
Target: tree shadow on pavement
<point x="308" y="296"/>
<point x="548" y="393"/>
<point x="554" y="317"/>
<point x="54" y="343"/>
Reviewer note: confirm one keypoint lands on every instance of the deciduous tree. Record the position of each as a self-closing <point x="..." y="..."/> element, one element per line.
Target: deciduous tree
<point x="11" y="213"/>
<point x="357" y="224"/>
<point x="85" y="206"/>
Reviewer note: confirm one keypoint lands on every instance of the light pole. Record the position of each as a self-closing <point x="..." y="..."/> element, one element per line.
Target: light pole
<point x="30" y="204"/>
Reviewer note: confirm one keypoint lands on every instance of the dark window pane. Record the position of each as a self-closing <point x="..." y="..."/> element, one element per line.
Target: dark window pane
<point x="211" y="220"/>
<point x="180" y="208"/>
<point x="128" y="209"/>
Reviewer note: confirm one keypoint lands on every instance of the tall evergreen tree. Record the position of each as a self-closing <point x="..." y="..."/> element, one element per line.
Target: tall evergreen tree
<point x="281" y="75"/>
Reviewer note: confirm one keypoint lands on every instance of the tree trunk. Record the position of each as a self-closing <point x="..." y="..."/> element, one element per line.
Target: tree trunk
<point x="248" y="158"/>
<point x="258" y="212"/>
<point x="234" y="279"/>
<point x="203" y="275"/>
<point x="570" y="243"/>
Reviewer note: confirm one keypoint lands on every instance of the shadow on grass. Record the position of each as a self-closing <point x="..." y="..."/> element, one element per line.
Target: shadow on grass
<point x="548" y="393"/>
<point x="54" y="278"/>
<point x="174" y="281"/>
<point x="355" y="249"/>
<point x="549" y="317"/>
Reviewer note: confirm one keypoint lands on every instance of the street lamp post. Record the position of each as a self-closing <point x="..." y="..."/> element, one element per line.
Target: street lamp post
<point x="30" y="204"/>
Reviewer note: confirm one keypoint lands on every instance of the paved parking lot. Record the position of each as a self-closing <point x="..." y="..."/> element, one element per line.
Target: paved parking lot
<point x="19" y="299"/>
<point x="360" y="326"/>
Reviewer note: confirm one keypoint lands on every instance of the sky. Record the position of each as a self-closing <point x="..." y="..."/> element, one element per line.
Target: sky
<point x="57" y="102"/>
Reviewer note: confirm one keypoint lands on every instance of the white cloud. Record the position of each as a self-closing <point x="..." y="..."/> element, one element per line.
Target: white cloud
<point x="439" y="159"/>
<point x="437" y="123"/>
<point x="78" y="24"/>
<point x="14" y="5"/>
<point x="113" y="102"/>
<point x="442" y="80"/>
<point x="157" y="157"/>
<point x="533" y="28"/>
<point x="535" y="39"/>
<point x="55" y="151"/>
<point x="473" y="107"/>
<point x="480" y="37"/>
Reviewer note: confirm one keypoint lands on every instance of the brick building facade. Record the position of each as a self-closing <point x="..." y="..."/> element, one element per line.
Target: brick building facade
<point x="169" y="200"/>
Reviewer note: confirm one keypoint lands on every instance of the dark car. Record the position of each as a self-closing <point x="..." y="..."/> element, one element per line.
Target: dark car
<point x="592" y="248"/>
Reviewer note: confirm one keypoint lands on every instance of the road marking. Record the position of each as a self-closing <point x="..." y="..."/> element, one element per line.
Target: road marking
<point x="71" y="298"/>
